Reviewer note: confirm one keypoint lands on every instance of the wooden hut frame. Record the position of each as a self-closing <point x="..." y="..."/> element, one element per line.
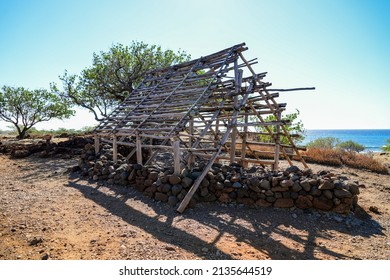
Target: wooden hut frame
<point x="199" y="109"/>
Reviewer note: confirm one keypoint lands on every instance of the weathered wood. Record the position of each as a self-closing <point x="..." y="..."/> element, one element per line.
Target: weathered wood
<point x="114" y="149"/>
<point x="207" y="106"/>
<point x="277" y="143"/>
<point x="197" y="182"/>
<point x="176" y="156"/>
<point x="243" y="144"/>
<point x="247" y="160"/>
<point x="97" y="144"/>
<point x="139" y="149"/>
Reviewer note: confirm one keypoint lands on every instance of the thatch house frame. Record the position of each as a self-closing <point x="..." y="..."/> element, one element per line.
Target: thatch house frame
<point x="204" y="108"/>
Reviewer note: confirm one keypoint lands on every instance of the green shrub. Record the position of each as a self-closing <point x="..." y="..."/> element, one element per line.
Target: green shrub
<point x="386" y="148"/>
<point x="323" y="143"/>
<point x="351" y="146"/>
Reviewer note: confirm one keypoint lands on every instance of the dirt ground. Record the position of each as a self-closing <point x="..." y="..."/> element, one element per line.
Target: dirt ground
<point x="48" y="212"/>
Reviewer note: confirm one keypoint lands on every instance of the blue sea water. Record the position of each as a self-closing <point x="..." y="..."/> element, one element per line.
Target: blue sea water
<point x="372" y="139"/>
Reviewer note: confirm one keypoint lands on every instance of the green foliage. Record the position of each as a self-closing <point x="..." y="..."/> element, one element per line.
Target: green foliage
<point x="33" y="132"/>
<point x="114" y="74"/>
<point x="323" y="143"/>
<point x="386" y="147"/>
<point x="295" y="128"/>
<point x="24" y="108"/>
<point x="351" y="146"/>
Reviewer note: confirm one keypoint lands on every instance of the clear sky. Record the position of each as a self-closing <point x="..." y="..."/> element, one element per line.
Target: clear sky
<point x="340" y="47"/>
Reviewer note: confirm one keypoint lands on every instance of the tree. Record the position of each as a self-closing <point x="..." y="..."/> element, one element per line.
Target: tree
<point x="114" y="74"/>
<point x="351" y="146"/>
<point x="295" y="128"/>
<point x="24" y="108"/>
<point x="323" y="143"/>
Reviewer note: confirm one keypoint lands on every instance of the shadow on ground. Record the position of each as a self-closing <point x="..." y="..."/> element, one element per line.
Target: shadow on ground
<point x="265" y="230"/>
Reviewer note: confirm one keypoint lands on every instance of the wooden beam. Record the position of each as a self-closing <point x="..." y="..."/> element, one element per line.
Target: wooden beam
<point x="225" y="137"/>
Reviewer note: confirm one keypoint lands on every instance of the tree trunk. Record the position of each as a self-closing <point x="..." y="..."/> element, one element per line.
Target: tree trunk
<point x="22" y="133"/>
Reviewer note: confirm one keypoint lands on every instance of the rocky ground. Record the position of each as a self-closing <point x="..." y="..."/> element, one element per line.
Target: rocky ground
<point x="48" y="212"/>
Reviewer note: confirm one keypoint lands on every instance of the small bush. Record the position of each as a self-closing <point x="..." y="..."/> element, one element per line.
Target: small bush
<point x="386" y="148"/>
<point x="351" y="146"/>
<point x="323" y="143"/>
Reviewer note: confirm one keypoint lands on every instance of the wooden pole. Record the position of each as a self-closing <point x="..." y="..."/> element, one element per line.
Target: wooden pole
<point x="277" y="142"/>
<point x="233" y="135"/>
<point x="190" y="142"/>
<point x="243" y="145"/>
<point x="114" y="149"/>
<point x="176" y="155"/>
<point x="97" y="144"/>
<point x="198" y="180"/>
<point x="138" y="146"/>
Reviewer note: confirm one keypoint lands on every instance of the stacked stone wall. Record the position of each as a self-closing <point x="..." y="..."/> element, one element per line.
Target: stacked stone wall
<point x="255" y="186"/>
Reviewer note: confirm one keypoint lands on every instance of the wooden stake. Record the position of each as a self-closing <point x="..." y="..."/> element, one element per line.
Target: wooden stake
<point x="277" y="143"/>
<point x="176" y="155"/>
<point x="190" y="141"/>
<point x="243" y="145"/>
<point x="114" y="149"/>
<point x="97" y="144"/>
<point x="138" y="145"/>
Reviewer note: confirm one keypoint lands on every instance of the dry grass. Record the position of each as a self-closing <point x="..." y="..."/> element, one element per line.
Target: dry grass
<point x="336" y="157"/>
<point x="324" y="156"/>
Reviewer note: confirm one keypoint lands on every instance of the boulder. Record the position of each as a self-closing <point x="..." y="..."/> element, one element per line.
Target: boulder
<point x="153" y="176"/>
<point x="287" y="183"/>
<point x="265" y="184"/>
<point x="342" y="193"/>
<point x="161" y="197"/>
<point x="354" y="188"/>
<point x="296" y="187"/>
<point x="293" y="169"/>
<point x="328" y="194"/>
<point x="172" y="200"/>
<point x="315" y="191"/>
<point x="176" y="189"/>
<point x="305" y="185"/>
<point x="322" y="203"/>
<point x="174" y="179"/>
<point x="205" y="183"/>
<point x="165" y="188"/>
<point x="279" y="189"/>
<point x="326" y="185"/>
<point x="342" y="208"/>
<point x="263" y="203"/>
<point x="227" y="184"/>
<point x="245" y="200"/>
<point x="254" y="188"/>
<point x="313" y="182"/>
<point x="224" y="198"/>
<point x="150" y="191"/>
<point x="303" y="202"/>
<point x="219" y="186"/>
<point x="284" y="203"/>
<point x="187" y="182"/>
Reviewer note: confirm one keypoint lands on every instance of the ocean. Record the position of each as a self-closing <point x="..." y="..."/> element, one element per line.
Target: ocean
<point x="372" y="139"/>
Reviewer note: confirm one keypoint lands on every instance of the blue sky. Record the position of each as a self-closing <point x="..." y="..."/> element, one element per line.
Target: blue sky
<point x="340" y="47"/>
